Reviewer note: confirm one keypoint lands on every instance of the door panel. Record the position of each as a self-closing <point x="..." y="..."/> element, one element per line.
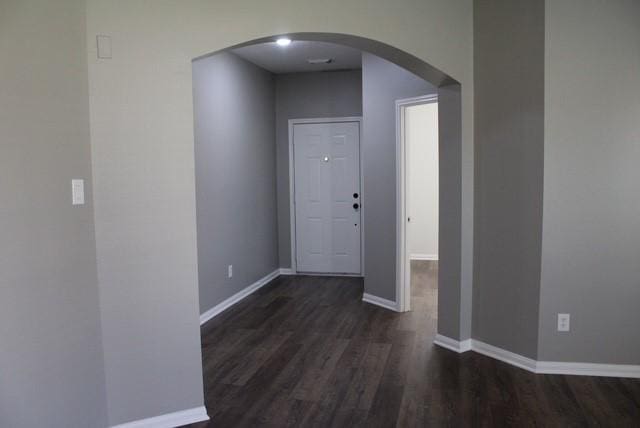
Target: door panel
<point x="326" y="177"/>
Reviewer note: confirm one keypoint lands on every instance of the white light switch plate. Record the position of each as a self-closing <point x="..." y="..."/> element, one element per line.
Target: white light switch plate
<point x="564" y="322"/>
<point x="77" y="192"/>
<point x="104" y="46"/>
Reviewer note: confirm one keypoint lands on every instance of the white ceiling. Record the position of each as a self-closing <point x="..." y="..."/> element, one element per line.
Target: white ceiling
<point x="293" y="58"/>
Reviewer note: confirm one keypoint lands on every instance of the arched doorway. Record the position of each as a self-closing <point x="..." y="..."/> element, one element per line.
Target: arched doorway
<point x="453" y="298"/>
<point x="382" y="195"/>
<point x="142" y="159"/>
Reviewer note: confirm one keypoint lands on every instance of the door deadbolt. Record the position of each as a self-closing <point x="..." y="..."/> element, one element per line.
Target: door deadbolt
<point x="355" y="196"/>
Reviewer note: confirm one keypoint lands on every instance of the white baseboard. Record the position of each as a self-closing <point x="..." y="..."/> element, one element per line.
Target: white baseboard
<point x="289" y="271"/>
<point x="423" y="257"/>
<point x="539" y="367"/>
<point x="589" y="369"/>
<point x="343" y="275"/>
<point x="169" y="420"/>
<point x="225" y="304"/>
<point x="452" y="344"/>
<point x="504" y="355"/>
<point x="379" y="301"/>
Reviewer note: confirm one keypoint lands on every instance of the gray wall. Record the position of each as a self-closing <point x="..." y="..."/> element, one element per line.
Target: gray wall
<point x="235" y="155"/>
<point x="308" y="95"/>
<point x="142" y="150"/>
<point x="509" y="143"/>
<point x="143" y="171"/>
<point x="51" y="367"/>
<point x="383" y="83"/>
<point x="591" y="235"/>
<point x="454" y="293"/>
<point x="145" y="221"/>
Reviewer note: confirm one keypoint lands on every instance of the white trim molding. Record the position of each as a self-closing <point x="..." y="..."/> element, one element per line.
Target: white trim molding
<point x="289" y="271"/>
<point x="452" y="344"/>
<point x="503" y="355"/>
<point x="589" y="369"/>
<point x="169" y="420"/>
<point x="424" y="257"/>
<point x="379" y="301"/>
<point x="341" y="275"/>
<point x="538" y="367"/>
<point x="227" y="303"/>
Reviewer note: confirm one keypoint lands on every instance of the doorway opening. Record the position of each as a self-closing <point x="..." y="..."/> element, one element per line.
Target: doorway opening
<point x="269" y="245"/>
<point x="418" y="188"/>
<point x="302" y="156"/>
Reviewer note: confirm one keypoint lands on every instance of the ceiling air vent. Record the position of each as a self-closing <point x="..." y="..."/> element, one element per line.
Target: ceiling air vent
<point x="320" y="60"/>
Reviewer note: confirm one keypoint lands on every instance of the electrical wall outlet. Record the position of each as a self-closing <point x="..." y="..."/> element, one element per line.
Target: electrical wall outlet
<point x="564" y="322"/>
<point x="230" y="271"/>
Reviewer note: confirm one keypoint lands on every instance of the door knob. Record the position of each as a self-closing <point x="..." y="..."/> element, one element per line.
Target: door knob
<point x="356" y="206"/>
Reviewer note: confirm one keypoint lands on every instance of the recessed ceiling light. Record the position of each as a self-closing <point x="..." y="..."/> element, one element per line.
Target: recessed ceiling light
<point x="283" y="41"/>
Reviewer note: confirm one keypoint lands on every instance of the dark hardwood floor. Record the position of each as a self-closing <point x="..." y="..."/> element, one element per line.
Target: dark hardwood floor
<point x="306" y="351"/>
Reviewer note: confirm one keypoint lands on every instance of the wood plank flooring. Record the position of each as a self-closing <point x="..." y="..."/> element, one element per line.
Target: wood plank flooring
<point x="307" y="352"/>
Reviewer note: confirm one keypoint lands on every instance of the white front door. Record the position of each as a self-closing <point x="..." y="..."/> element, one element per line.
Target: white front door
<point x="327" y="197"/>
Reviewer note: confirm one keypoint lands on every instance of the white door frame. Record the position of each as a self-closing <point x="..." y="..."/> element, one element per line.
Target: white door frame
<point x="292" y="206"/>
<point x="403" y="269"/>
